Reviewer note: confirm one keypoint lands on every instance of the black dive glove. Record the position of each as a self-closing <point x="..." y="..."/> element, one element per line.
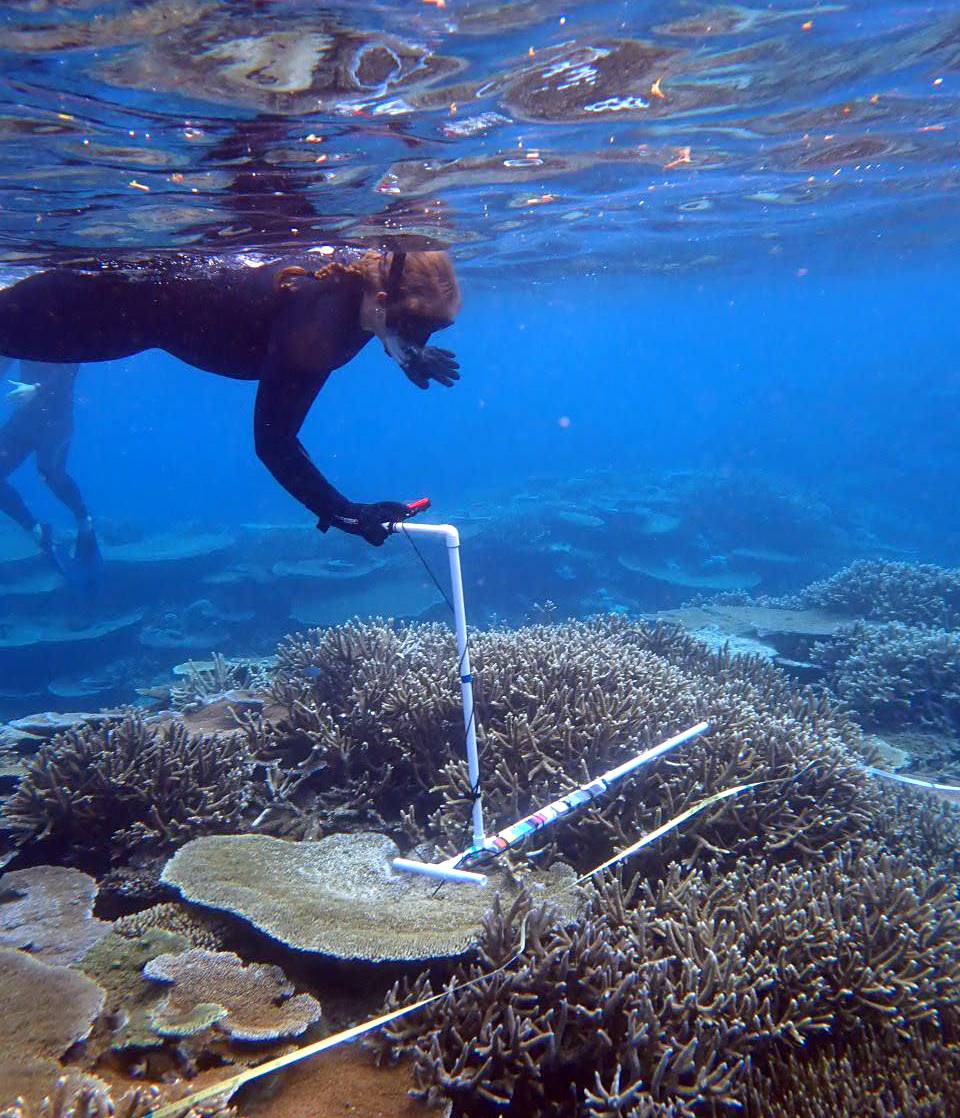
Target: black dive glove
<point x="428" y="363"/>
<point x="367" y="520"/>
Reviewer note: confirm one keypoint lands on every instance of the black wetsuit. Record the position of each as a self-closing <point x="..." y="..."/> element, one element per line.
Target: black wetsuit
<point x="231" y="314"/>
<point x="42" y="425"/>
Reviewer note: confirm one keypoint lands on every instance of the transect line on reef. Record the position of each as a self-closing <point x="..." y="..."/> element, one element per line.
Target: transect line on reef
<point x="229" y="1086"/>
<point x="915" y="780"/>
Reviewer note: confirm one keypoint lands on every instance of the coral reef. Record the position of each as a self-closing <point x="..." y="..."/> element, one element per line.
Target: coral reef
<point x="914" y="1072"/>
<point x="197" y="927"/>
<point x="662" y="998"/>
<point x="338" y="896"/>
<point x="48" y="911"/>
<point x="373" y="737"/>
<point x="759" y="953"/>
<point x="106" y="791"/>
<point x="44" y="1010"/>
<point x="880" y="590"/>
<point x="215" y="988"/>
<point x="896" y="676"/>
<point x="97" y="1101"/>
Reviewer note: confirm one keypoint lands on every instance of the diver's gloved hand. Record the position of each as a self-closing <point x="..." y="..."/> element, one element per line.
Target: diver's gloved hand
<point x="431" y="363"/>
<point x="21" y="393"/>
<point x="368" y="520"/>
<point x="422" y="364"/>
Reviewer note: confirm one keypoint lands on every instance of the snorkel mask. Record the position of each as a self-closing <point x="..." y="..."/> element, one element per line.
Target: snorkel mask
<point x="400" y="340"/>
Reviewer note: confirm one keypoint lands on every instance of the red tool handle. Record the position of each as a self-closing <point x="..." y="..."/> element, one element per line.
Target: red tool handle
<point x="418" y="506"/>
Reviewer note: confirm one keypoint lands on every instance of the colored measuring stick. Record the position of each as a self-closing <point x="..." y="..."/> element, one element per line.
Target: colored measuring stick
<point x="495" y="845"/>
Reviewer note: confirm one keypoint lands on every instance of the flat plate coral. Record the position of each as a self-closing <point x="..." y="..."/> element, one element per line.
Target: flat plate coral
<point x="338" y="896"/>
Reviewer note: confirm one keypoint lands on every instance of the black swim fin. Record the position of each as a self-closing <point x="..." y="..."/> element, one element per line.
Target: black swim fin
<point x="85" y="566"/>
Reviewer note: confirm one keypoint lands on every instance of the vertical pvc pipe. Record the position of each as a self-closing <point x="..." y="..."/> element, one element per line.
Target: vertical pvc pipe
<point x="466" y="685"/>
<point x="452" y="539"/>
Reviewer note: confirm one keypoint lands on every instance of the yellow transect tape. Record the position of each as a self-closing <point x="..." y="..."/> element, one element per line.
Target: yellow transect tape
<point x="229" y="1086"/>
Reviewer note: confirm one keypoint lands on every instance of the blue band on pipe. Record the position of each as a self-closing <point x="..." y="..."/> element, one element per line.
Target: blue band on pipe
<point x="466" y="678"/>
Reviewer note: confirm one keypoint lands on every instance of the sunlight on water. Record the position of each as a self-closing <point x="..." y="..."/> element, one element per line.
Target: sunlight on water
<point x="629" y="134"/>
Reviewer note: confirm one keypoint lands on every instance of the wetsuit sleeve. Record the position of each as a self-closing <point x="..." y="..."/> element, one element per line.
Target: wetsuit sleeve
<point x="283" y="401"/>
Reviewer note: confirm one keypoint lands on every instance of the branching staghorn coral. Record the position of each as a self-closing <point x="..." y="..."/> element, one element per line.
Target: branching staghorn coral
<point x="896" y="676"/>
<point x="108" y="790"/>
<point x="98" y="1102"/>
<point x="875" y="1072"/>
<point x="663" y="997"/>
<point x="202" y="682"/>
<point x="374" y="737"/>
<point x="880" y="590"/>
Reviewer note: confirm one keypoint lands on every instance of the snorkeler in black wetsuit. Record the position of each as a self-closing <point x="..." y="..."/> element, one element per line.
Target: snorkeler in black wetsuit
<point x="42" y="424"/>
<point x="284" y="321"/>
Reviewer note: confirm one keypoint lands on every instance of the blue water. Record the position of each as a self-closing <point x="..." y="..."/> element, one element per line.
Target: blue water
<point x="842" y="383"/>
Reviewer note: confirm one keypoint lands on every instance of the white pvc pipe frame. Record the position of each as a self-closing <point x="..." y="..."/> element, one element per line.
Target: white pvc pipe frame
<point x="449" y="869"/>
<point x="451" y="537"/>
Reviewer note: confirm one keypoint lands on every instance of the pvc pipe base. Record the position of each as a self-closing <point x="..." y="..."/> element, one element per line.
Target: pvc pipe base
<point x="439" y="871"/>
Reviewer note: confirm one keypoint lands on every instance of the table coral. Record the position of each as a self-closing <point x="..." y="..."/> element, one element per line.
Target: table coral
<point x="338" y="896"/>
<point x="44" y="1010"/>
<point x="116" y="964"/>
<point x="252" y="1002"/>
<point x="48" y="911"/>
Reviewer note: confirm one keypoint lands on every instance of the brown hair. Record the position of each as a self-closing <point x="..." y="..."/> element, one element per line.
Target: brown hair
<point x="427" y="287"/>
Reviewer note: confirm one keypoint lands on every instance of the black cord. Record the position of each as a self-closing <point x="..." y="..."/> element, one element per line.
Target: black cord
<point x="428" y="569"/>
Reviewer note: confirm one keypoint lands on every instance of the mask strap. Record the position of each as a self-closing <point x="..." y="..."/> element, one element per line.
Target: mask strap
<point x="395" y="275"/>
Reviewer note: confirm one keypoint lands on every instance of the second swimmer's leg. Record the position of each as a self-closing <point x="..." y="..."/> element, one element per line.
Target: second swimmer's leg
<point x="52" y="464"/>
<point x="16" y="443"/>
